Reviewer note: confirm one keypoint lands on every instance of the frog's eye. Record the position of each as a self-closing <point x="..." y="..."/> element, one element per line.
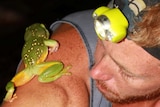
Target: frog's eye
<point x="110" y="24"/>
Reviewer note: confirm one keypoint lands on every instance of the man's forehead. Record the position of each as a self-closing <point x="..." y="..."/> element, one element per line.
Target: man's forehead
<point x="132" y="56"/>
<point x="129" y="44"/>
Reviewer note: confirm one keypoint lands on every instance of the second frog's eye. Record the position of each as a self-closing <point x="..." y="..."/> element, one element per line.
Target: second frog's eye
<point x="110" y="24"/>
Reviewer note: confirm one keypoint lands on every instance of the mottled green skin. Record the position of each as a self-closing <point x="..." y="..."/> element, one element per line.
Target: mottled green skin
<point x="36" y="30"/>
<point x="34" y="49"/>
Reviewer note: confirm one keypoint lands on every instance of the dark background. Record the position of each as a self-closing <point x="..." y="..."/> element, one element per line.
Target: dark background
<point x="16" y="15"/>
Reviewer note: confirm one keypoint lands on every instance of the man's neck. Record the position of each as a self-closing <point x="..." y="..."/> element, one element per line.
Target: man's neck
<point x="153" y="103"/>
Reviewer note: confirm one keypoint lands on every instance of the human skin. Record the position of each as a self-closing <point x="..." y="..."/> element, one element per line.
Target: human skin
<point x="67" y="91"/>
<point x="126" y="74"/>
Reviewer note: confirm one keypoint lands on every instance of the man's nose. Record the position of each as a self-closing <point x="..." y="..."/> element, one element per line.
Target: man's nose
<point x="100" y="72"/>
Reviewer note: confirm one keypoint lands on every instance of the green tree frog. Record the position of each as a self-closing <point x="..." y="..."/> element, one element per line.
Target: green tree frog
<point x="35" y="50"/>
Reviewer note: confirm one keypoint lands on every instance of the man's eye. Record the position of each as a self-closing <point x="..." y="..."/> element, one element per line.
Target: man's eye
<point x="125" y="75"/>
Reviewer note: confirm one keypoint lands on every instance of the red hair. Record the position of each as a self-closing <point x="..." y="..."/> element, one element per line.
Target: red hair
<point x="147" y="31"/>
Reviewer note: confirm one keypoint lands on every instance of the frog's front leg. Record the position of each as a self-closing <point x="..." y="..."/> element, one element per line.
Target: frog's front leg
<point x="53" y="72"/>
<point x="52" y="44"/>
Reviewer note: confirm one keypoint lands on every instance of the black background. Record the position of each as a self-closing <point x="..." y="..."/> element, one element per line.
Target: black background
<point x="16" y="15"/>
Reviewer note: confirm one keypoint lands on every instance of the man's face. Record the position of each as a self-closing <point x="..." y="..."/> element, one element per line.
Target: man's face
<point x="125" y="73"/>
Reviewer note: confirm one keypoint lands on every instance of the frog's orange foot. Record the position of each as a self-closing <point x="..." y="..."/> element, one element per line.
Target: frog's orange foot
<point x="65" y="71"/>
<point x="53" y="48"/>
<point x="13" y="98"/>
